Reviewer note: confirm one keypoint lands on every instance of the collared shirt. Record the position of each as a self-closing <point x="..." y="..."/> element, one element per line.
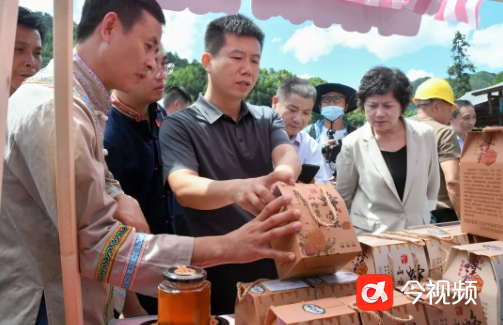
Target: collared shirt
<point x="109" y="253"/>
<point x="461" y="143"/>
<point x="309" y="152"/>
<point x="448" y="149"/>
<point x="134" y="159"/>
<point x="203" y="139"/>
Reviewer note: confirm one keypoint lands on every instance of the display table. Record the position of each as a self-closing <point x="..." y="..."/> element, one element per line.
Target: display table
<point x="140" y="320"/>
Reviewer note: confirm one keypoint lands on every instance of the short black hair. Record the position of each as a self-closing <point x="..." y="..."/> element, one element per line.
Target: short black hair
<point x="30" y="19"/>
<point x="460" y="103"/>
<point x="176" y="93"/>
<point x="238" y="24"/>
<point x="298" y="86"/>
<point x="380" y="80"/>
<point x="128" y="11"/>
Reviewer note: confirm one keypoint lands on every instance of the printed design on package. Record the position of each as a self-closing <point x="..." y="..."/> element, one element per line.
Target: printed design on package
<point x="257" y="289"/>
<point x="468" y="272"/>
<point x="313" y="309"/>
<point x="485" y="154"/>
<point x="313" y="242"/>
<point x="360" y="267"/>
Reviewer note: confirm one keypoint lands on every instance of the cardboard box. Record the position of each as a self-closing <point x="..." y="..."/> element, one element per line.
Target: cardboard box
<point x="402" y="309"/>
<point x="448" y="310"/>
<point x="482" y="263"/>
<point x="252" y="310"/>
<point x="437" y="249"/>
<point x="376" y="253"/>
<point x="325" y="311"/>
<point x="340" y="284"/>
<point x="327" y="240"/>
<point x="482" y="184"/>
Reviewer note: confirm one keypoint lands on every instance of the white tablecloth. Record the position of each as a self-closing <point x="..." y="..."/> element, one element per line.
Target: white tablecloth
<point x="139" y="320"/>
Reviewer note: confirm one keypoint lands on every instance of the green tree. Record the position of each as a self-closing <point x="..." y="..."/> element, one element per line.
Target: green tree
<point x="193" y="77"/>
<point x="459" y="78"/>
<point x="498" y="79"/>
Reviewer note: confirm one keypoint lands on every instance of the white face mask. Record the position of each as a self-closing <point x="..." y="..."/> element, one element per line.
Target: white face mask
<point x="332" y="113"/>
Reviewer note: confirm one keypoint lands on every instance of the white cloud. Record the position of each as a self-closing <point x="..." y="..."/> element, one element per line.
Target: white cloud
<point x="276" y="40"/>
<point x="414" y="74"/>
<point x="48" y="6"/>
<point x="305" y="76"/>
<point x="310" y="43"/>
<point x="182" y="31"/>
<point x="486" y="47"/>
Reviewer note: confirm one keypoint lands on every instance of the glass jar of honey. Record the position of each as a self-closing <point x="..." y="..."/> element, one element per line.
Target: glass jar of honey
<point x="184" y="297"/>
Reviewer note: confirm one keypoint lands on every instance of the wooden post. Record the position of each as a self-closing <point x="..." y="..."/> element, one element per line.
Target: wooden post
<point x="65" y="160"/>
<point x="8" y="23"/>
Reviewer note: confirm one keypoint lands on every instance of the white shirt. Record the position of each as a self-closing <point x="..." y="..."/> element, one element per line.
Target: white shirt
<point x="461" y="142"/>
<point x="309" y="152"/>
<point x="339" y="134"/>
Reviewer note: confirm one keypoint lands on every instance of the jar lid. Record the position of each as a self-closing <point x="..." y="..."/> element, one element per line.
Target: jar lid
<point x="184" y="274"/>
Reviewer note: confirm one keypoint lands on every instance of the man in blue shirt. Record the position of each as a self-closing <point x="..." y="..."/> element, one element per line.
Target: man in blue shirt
<point x="133" y="156"/>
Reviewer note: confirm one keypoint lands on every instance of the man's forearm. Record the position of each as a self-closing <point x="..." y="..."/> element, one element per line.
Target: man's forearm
<point x="454" y="192"/>
<point x="209" y="251"/>
<point x="205" y="194"/>
<point x="290" y="162"/>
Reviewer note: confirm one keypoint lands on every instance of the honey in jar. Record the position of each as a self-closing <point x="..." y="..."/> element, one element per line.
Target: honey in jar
<point x="184" y="297"/>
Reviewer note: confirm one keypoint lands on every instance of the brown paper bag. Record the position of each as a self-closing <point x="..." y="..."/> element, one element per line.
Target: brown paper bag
<point x="327" y="240"/>
<point x="254" y="299"/>
<point x="335" y="285"/>
<point x="324" y="311"/>
<point x="403" y="312"/>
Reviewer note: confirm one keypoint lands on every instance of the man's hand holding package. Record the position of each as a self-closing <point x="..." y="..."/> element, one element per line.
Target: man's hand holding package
<point x="129" y="213"/>
<point x="252" y="241"/>
<point x="255" y="193"/>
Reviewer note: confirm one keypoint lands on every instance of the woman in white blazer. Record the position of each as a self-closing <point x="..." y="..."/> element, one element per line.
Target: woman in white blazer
<point x="387" y="170"/>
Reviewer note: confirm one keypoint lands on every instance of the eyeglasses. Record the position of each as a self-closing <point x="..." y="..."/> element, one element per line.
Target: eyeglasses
<point x="166" y="68"/>
<point x="332" y="98"/>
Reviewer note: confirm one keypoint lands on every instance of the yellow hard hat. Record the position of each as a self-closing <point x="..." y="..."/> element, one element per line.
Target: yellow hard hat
<point x="435" y="88"/>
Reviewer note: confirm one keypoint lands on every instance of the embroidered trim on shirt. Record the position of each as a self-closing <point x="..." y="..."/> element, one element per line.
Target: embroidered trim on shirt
<point x="106" y="310"/>
<point x="133" y="261"/>
<point x="124" y="109"/>
<point x="50" y="81"/>
<point x="109" y="251"/>
<point x="88" y="90"/>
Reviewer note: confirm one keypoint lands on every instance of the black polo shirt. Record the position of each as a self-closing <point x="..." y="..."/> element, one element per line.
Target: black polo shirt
<point x="201" y="138"/>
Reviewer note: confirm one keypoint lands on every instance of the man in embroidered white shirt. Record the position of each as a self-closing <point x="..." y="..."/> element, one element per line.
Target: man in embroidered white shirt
<point x="294" y="102"/>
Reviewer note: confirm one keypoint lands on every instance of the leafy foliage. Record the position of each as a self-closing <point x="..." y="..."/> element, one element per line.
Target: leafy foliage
<point x="498" y="79"/>
<point x="459" y="78"/>
<point x="481" y="79"/>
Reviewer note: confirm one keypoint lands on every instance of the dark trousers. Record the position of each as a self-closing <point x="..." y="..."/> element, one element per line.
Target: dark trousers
<point x="42" y="314"/>
<point x="445" y="215"/>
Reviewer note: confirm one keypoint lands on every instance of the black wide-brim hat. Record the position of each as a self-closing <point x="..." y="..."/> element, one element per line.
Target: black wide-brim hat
<point x="347" y="91"/>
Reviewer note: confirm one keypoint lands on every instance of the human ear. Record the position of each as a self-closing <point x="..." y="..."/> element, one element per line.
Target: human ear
<point x="205" y="61"/>
<point x="108" y="26"/>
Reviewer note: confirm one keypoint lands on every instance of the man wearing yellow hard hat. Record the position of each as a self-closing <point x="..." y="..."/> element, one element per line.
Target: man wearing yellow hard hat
<point x="435" y="101"/>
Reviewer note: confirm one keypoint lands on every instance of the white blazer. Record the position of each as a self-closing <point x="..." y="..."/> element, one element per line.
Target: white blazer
<point x="366" y="185"/>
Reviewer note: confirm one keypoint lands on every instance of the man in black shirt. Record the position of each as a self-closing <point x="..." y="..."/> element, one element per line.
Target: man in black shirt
<point x="220" y="152"/>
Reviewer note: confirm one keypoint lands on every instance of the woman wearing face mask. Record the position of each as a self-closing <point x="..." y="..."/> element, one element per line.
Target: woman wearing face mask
<point x="333" y="100"/>
<point x="463" y="120"/>
<point x="387" y="171"/>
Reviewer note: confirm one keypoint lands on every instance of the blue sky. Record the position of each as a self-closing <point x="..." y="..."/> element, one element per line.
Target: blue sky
<point x="339" y="56"/>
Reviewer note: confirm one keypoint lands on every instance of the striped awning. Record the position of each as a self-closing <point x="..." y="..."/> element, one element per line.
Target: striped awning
<point x="400" y="17"/>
